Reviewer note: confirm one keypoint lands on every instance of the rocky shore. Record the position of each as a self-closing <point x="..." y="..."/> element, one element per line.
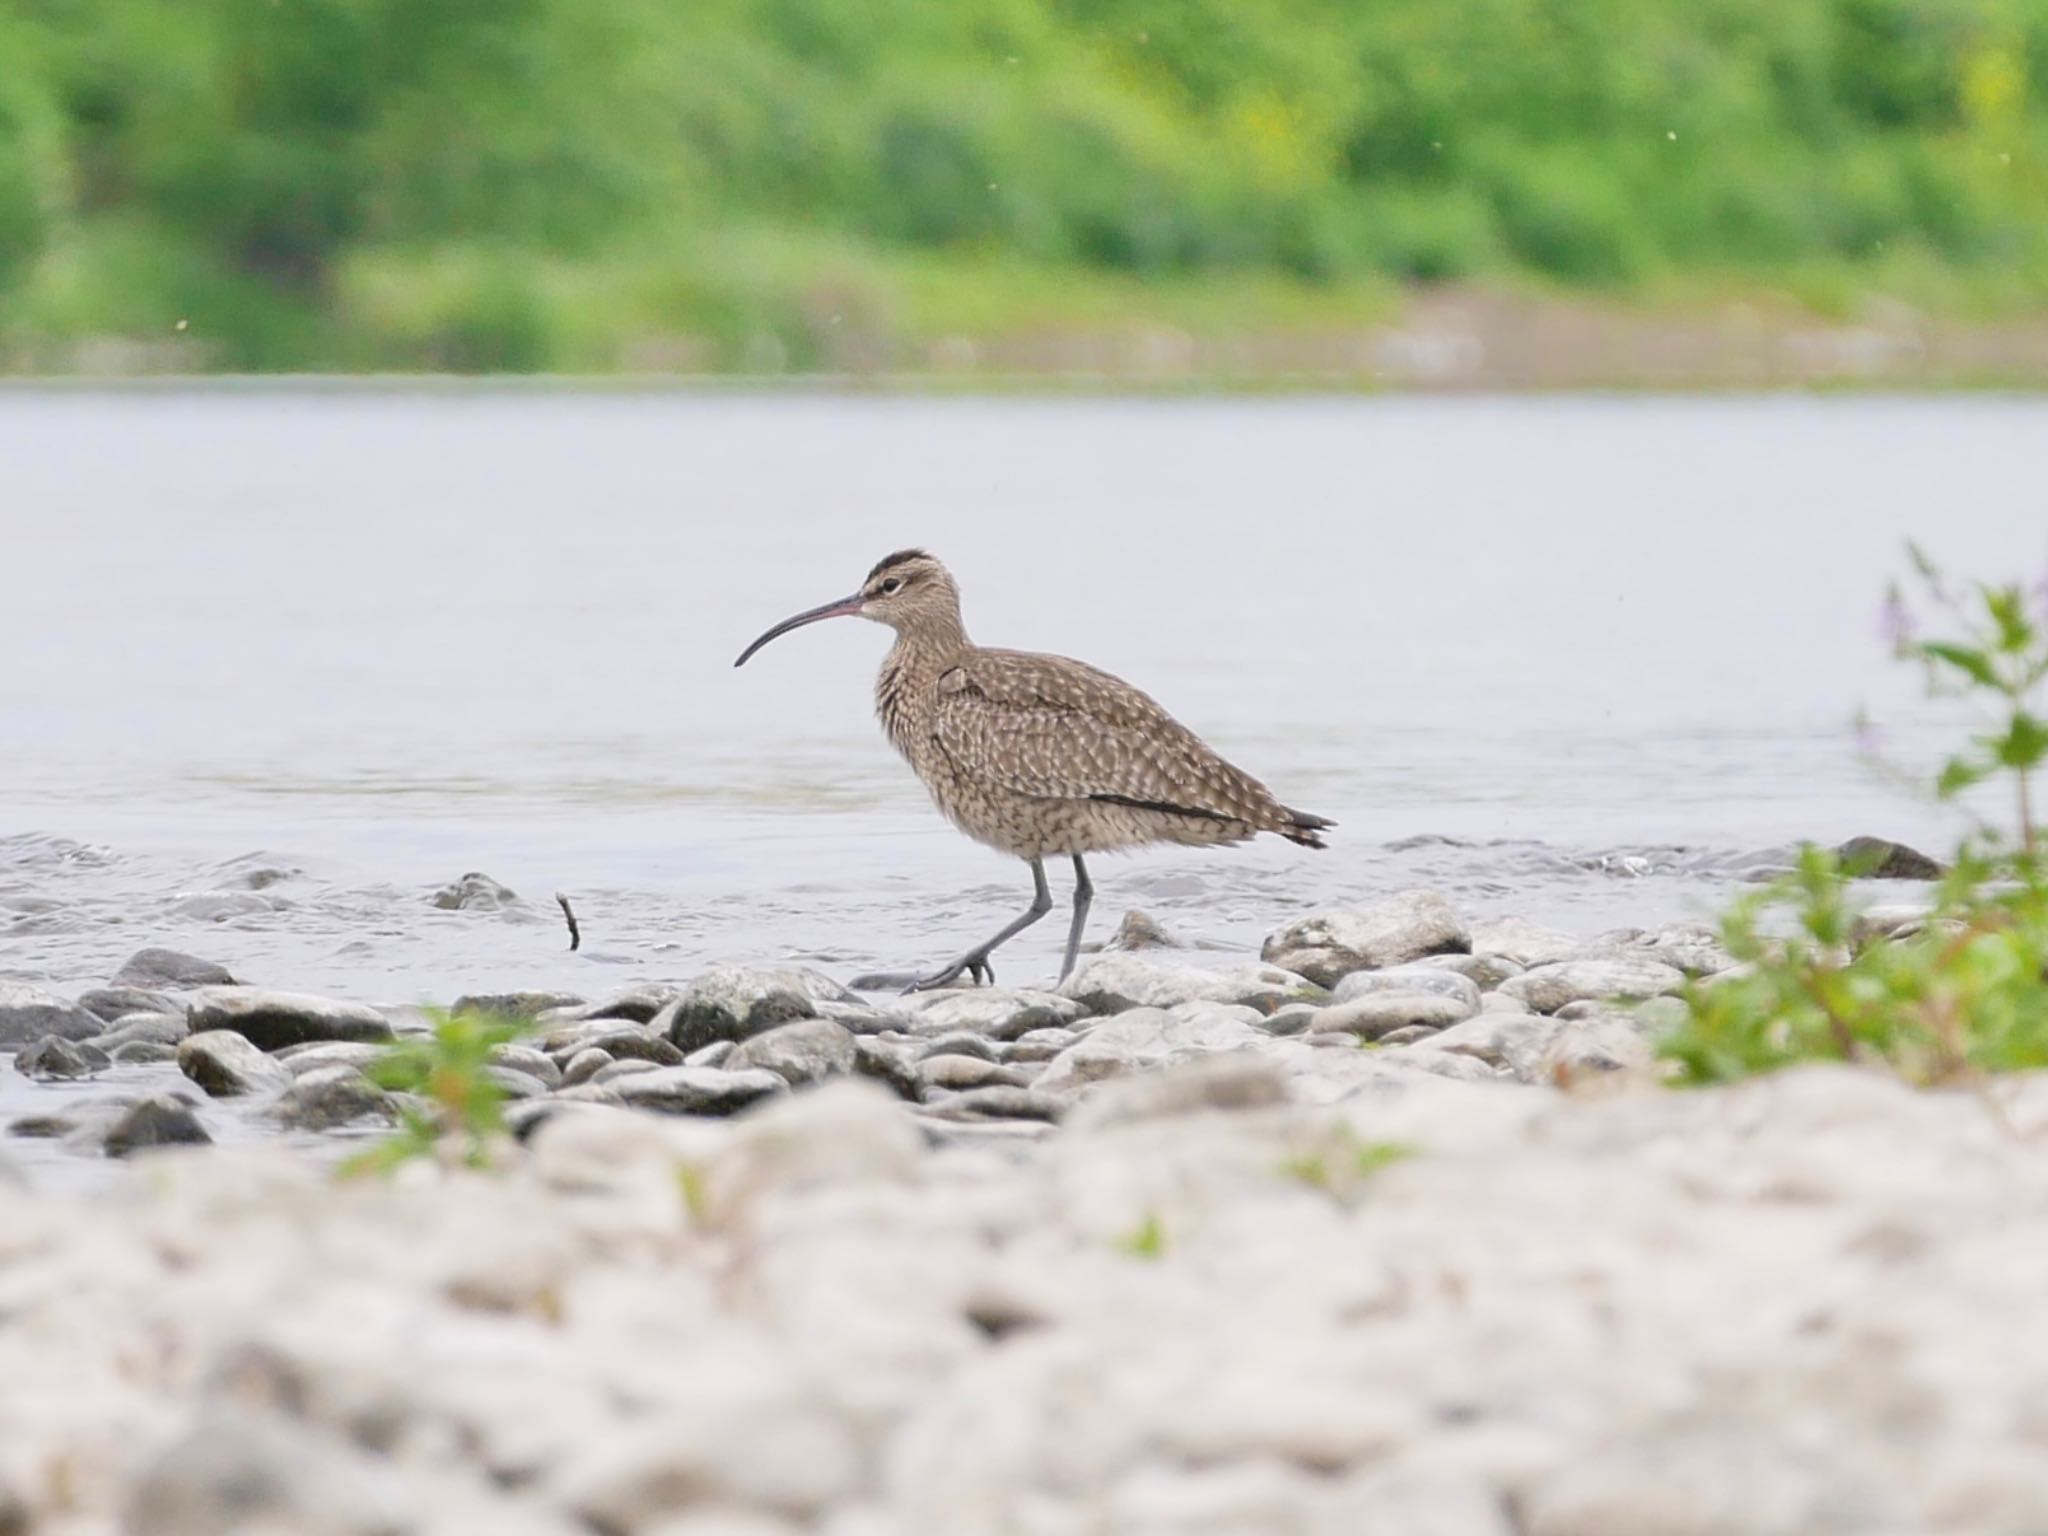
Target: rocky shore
<point x="1392" y="1228"/>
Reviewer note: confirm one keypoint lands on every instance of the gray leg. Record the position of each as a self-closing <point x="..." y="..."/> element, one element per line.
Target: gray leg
<point x="975" y="961"/>
<point x="1084" y="892"/>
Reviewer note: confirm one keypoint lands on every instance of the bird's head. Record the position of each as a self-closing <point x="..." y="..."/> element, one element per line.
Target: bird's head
<point x="907" y="590"/>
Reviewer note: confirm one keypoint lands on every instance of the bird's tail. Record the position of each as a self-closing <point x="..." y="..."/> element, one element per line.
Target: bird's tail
<point x="1303" y="828"/>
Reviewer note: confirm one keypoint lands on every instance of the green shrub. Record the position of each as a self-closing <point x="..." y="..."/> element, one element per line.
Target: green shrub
<point x="449" y="1068"/>
<point x="1965" y="991"/>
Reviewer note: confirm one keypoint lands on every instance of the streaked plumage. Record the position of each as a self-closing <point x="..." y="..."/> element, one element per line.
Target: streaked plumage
<point x="1037" y="755"/>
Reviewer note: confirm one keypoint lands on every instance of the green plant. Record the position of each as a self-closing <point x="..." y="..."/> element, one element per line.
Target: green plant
<point x="449" y="1067"/>
<point x="1964" y="990"/>
<point x="1338" y="1164"/>
<point x="1147" y="1240"/>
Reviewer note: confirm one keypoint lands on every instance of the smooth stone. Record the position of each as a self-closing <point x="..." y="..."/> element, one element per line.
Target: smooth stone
<point x="521" y="1007"/>
<point x="1601" y="1047"/>
<point x="1146" y="1040"/>
<point x="1691" y="947"/>
<point x="1547" y="988"/>
<point x="1410" y="979"/>
<point x="156" y="1028"/>
<point x="115" y="1004"/>
<point x="807" y="1051"/>
<point x="636" y="1045"/>
<point x="731" y="1002"/>
<point x="476" y="892"/>
<point x="712" y="1055"/>
<point x="1140" y="930"/>
<point x="1889" y="920"/>
<point x="889" y="1065"/>
<point x="762" y="1443"/>
<point x="1660" y="1015"/>
<point x="1000" y="1013"/>
<point x="328" y="1097"/>
<point x="53" y="1058"/>
<point x="1115" y="983"/>
<point x="1197" y="1086"/>
<point x="359" y="1054"/>
<point x="42" y="1127"/>
<point x="525" y="1059"/>
<point x="157" y="1121"/>
<point x="151" y="969"/>
<point x="139" y="1053"/>
<point x="630" y="1067"/>
<point x="238" y="1472"/>
<point x="962" y="1072"/>
<point x="863" y="1017"/>
<point x="1498" y="1038"/>
<point x="1325" y="946"/>
<point x="29" y="1014"/>
<point x="514" y="1083"/>
<point x="1484" y="971"/>
<point x="272" y="1020"/>
<point x="1039" y="1044"/>
<point x="697" y="1090"/>
<point x="584" y="1065"/>
<point x="226" y="1065"/>
<point x="996" y="1102"/>
<point x="1883" y="859"/>
<point x="1376" y="1014"/>
<point x="1522" y="942"/>
<point x="960" y="1044"/>
<point x="1408" y="1035"/>
<point x="642" y="1004"/>
<point x="1292" y="1019"/>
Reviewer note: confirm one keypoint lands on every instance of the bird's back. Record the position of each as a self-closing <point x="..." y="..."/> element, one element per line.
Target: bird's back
<point x="1090" y="761"/>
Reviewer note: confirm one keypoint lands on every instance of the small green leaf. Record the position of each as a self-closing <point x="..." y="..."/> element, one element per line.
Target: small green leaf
<point x="1971" y="662"/>
<point x="2008" y="609"/>
<point x="2025" y="743"/>
<point x="1959" y="774"/>
<point x="1147" y="1240"/>
<point x="1375" y="1155"/>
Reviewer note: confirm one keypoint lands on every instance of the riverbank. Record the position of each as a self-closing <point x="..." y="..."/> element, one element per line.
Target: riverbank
<point x="1450" y="339"/>
<point x="1390" y="1227"/>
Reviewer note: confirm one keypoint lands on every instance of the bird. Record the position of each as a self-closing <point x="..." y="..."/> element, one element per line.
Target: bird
<point x="1039" y="756"/>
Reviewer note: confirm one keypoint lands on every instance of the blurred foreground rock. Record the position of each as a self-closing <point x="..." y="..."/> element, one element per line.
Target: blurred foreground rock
<point x="1793" y="1308"/>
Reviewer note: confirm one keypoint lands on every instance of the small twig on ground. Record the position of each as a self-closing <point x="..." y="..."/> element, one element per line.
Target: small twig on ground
<point x="569" y="912"/>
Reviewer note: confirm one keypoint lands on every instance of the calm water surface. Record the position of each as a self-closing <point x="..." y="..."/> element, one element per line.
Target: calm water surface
<point x="275" y="665"/>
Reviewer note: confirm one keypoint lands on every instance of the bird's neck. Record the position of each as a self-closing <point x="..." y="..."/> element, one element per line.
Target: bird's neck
<point x="930" y="647"/>
<point x="911" y="670"/>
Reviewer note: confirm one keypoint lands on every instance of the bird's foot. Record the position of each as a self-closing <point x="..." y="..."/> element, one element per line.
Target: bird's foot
<point x="976" y="966"/>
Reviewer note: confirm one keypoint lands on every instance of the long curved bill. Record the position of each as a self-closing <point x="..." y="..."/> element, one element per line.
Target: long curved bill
<point x="844" y="607"/>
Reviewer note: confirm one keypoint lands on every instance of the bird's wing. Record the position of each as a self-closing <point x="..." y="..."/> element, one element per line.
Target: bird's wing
<point x="1057" y="729"/>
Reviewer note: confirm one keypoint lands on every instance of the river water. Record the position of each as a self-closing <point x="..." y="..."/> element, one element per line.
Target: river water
<point x="275" y="664"/>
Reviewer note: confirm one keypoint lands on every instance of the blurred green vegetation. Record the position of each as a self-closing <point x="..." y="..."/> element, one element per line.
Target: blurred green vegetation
<point x="770" y="184"/>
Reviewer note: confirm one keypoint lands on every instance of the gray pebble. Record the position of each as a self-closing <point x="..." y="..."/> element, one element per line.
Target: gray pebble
<point x="157" y="1121"/>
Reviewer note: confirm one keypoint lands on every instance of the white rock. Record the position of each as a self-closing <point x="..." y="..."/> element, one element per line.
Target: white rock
<point x="1413" y="978"/>
<point x="27" y="1014"/>
<point x="1000" y="1013"/>
<point x="225" y="1064"/>
<point x="271" y="1020"/>
<point x="1525" y="943"/>
<point x="1547" y="988"/>
<point x="1371" y="1015"/>
<point x="690" y="1090"/>
<point x="1146" y="1039"/>
<point x="1325" y="946"/>
<point x="1113" y="982"/>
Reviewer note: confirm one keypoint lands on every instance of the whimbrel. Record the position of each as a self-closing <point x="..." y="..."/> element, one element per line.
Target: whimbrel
<point x="1039" y="755"/>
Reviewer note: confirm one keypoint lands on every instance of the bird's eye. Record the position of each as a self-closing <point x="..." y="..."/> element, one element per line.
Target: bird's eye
<point x="893" y="584"/>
